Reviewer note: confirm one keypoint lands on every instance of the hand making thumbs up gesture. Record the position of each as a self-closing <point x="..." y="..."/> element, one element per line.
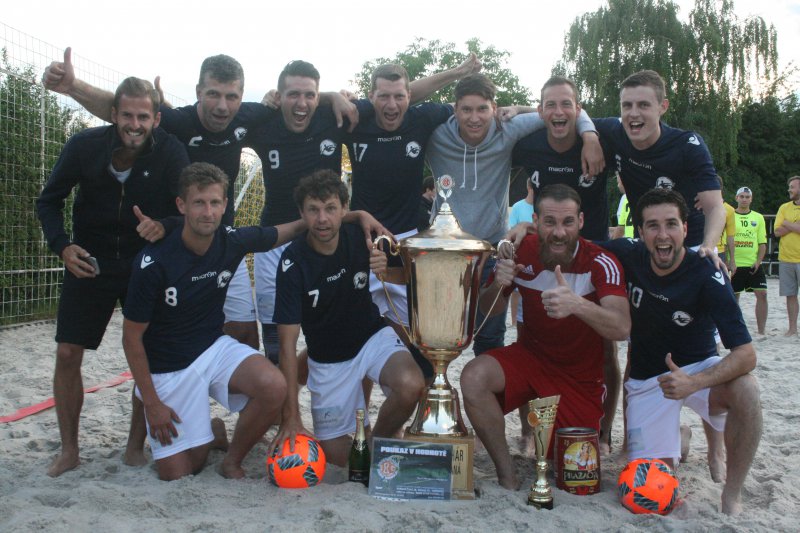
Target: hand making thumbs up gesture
<point x="676" y="384"/>
<point x="561" y="301"/>
<point x="60" y="76"/>
<point x="148" y="229"/>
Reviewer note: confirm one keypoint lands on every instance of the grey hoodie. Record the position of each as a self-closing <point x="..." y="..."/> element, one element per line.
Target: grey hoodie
<point x="481" y="173"/>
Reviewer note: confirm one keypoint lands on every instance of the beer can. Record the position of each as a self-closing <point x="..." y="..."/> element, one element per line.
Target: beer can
<point x="576" y="457"/>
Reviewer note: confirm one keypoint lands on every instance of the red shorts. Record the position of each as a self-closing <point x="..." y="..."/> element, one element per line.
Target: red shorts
<point x="528" y="377"/>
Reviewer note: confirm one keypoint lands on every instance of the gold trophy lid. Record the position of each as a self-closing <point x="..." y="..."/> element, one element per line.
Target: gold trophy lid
<point x="445" y="232"/>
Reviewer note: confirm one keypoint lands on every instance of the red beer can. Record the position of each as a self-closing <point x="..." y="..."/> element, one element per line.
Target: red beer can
<point x="576" y="457"/>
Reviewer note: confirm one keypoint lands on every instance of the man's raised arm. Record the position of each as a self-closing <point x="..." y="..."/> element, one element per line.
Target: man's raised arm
<point x="424" y="87"/>
<point x="60" y="77"/>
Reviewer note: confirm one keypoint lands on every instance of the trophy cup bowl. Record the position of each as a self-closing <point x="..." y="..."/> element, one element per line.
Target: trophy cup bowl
<point x="444" y="282"/>
<point x="542" y="418"/>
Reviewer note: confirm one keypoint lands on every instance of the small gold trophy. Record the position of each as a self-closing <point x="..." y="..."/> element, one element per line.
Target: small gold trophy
<point x="542" y="418"/>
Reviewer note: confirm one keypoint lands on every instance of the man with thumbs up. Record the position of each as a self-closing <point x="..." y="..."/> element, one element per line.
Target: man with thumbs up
<point x="573" y="296"/>
<point x="677" y="300"/>
<point x="119" y="171"/>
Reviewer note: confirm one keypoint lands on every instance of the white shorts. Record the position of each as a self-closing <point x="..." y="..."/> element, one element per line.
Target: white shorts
<point x="266" y="270"/>
<point x="239" y="304"/>
<point x="654" y="422"/>
<point x="397" y="293"/>
<point x="186" y="392"/>
<point x="336" y="387"/>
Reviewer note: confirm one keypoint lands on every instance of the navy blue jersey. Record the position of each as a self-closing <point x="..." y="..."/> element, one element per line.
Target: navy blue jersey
<point x="388" y="166"/>
<point x="181" y="294"/>
<point x="224" y="148"/>
<point x="328" y="295"/>
<point x="545" y="166"/>
<point x="287" y="156"/>
<point x="678" y="160"/>
<point x="676" y="313"/>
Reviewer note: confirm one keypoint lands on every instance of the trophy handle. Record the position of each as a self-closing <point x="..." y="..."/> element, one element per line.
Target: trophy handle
<point x="499" y="246"/>
<point x="394" y="249"/>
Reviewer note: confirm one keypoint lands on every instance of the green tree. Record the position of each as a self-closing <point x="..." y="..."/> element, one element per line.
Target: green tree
<point x="423" y="58"/>
<point x="709" y="62"/>
<point x="769" y="148"/>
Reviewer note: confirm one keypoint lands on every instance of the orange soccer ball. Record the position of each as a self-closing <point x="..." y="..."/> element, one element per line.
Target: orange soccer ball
<point x="648" y="486"/>
<point x="300" y="469"/>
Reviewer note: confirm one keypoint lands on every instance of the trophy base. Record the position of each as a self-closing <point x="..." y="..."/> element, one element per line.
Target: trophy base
<point x="548" y="504"/>
<point x="463" y="487"/>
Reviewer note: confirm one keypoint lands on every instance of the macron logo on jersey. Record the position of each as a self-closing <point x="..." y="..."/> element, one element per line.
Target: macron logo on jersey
<point x="146" y="261"/>
<point x="286" y="265"/>
<point x="694" y="140"/>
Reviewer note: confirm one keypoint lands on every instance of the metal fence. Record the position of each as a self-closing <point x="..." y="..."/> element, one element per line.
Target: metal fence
<point x="770" y="262"/>
<point x="34" y="125"/>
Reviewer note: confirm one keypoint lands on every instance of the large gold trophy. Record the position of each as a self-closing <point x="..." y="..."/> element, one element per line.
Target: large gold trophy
<point x="542" y="418"/>
<point x="443" y="267"/>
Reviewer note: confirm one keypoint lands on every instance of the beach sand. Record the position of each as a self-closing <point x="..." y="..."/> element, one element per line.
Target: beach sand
<point x="104" y="494"/>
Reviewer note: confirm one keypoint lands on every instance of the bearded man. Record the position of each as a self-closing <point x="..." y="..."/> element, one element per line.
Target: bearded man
<point x="573" y="296"/>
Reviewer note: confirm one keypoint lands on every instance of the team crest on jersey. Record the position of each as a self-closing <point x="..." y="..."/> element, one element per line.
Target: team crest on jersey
<point x="230" y="229"/>
<point x="681" y="318"/>
<point x="586" y="181"/>
<point x="360" y="280"/>
<point x="195" y="141"/>
<point x="327" y="147"/>
<point x="619" y="162"/>
<point x="146" y="261"/>
<point x="719" y="278"/>
<point x="664" y="183"/>
<point x="753" y="223"/>
<point x="239" y="133"/>
<point x="694" y="140"/>
<point x="528" y="269"/>
<point x="223" y="278"/>
<point x="413" y="150"/>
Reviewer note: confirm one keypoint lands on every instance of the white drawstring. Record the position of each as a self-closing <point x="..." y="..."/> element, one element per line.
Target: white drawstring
<point x="474" y="168"/>
<point x="475" y="164"/>
<point x="464" y="168"/>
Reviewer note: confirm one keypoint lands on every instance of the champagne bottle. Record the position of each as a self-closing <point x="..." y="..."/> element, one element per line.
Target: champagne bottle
<point x="359" y="453"/>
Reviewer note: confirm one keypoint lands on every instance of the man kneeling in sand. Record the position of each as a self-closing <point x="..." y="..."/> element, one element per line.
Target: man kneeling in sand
<point x="173" y="339"/>
<point x="678" y="299"/>
<point x="573" y="296"/>
<point x="323" y="288"/>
